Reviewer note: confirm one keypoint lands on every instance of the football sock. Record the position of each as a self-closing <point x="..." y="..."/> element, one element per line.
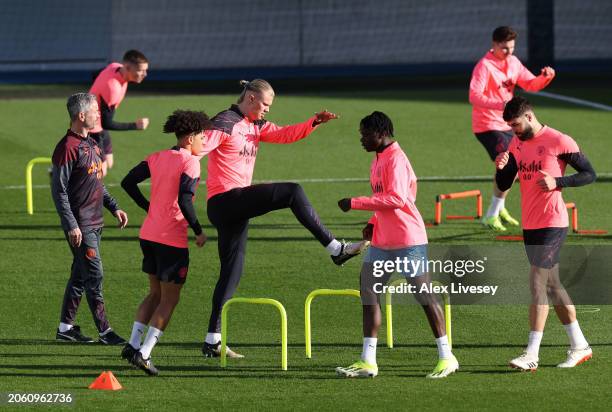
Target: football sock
<point x="533" y="346"/>
<point x="334" y="248"/>
<point x="137" y="332"/>
<point x="574" y="333"/>
<point x="497" y="204"/>
<point x="444" y="350"/>
<point x="368" y="354"/>
<point x="213" y="338"/>
<point x="153" y="335"/>
<point x="64" y="327"/>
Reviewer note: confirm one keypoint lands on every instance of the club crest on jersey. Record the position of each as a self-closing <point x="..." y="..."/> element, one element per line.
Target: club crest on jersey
<point x="508" y="85"/>
<point x="541" y="150"/>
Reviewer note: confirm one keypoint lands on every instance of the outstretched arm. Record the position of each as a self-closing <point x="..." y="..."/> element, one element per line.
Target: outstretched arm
<point x="272" y="133"/>
<point x="395" y="193"/>
<point x="532" y="83"/>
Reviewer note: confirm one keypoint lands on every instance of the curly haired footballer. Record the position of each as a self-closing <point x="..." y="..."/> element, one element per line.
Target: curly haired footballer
<point x="185" y="122"/>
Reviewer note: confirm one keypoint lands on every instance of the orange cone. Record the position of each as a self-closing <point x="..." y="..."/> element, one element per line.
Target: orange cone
<point x="106" y="381"/>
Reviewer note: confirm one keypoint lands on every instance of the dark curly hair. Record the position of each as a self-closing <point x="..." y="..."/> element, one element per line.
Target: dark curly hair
<point x="516" y="107"/>
<point x="185" y="122"/>
<point x="377" y="122"/>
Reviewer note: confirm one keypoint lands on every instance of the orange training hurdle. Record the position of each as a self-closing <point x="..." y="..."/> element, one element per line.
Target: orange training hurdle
<point x="458" y="195"/>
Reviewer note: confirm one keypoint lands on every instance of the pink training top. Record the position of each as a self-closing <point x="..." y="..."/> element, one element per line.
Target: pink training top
<point x="110" y="86"/>
<point x="542" y="209"/>
<point x="492" y="85"/>
<point x="165" y="222"/>
<point x="397" y="221"/>
<point x="232" y="146"/>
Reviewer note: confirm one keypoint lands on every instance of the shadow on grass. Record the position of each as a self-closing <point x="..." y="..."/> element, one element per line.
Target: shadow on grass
<point x="135" y="238"/>
<point x="254" y="226"/>
<point x="48" y="342"/>
<point x="53" y="367"/>
<point x="473" y="235"/>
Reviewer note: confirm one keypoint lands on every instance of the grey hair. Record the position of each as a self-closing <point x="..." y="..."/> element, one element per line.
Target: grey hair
<point x="256" y="85"/>
<point x="78" y="103"/>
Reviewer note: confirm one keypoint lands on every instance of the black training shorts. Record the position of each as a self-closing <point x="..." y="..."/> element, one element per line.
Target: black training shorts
<point x="544" y="245"/>
<point x="495" y="141"/>
<point x="170" y="264"/>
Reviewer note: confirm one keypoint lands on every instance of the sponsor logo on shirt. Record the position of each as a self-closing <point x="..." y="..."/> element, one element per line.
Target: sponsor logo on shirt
<point x="249" y="152"/>
<point x="95" y="167"/>
<point x="528" y="169"/>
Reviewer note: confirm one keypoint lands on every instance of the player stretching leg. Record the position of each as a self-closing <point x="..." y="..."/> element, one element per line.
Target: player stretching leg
<point x="232" y="145"/>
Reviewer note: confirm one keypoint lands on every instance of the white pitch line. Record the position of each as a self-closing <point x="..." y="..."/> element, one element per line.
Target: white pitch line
<point x="580" y="102"/>
<point x="482" y="178"/>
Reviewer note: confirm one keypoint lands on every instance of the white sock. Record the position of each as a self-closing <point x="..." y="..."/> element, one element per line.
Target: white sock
<point x="497" y="204"/>
<point x="368" y="353"/>
<point x="574" y="333"/>
<point x="334" y="248"/>
<point x="533" y="346"/>
<point x="444" y="350"/>
<point x="153" y="336"/>
<point x="137" y="332"/>
<point x="213" y="338"/>
<point x="65" y="327"/>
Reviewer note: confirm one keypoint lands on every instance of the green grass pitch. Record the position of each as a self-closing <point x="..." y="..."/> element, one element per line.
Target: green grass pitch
<point x="284" y="263"/>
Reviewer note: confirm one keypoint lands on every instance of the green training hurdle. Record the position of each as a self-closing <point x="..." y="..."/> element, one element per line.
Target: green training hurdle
<point x="258" y="301"/>
<point x="389" y="313"/>
<point x="28" y="171"/>
<point x="309" y="299"/>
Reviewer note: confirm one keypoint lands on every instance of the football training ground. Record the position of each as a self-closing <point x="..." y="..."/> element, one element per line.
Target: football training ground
<point x="285" y="263"/>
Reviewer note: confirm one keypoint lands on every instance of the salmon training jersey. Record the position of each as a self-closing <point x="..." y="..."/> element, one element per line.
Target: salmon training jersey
<point x="544" y="151"/>
<point x="232" y="145"/>
<point x="492" y="85"/>
<point x="397" y="221"/>
<point x="172" y="171"/>
<point x="111" y="87"/>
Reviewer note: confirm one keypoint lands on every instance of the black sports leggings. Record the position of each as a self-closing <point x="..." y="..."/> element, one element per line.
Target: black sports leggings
<point x="230" y="213"/>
